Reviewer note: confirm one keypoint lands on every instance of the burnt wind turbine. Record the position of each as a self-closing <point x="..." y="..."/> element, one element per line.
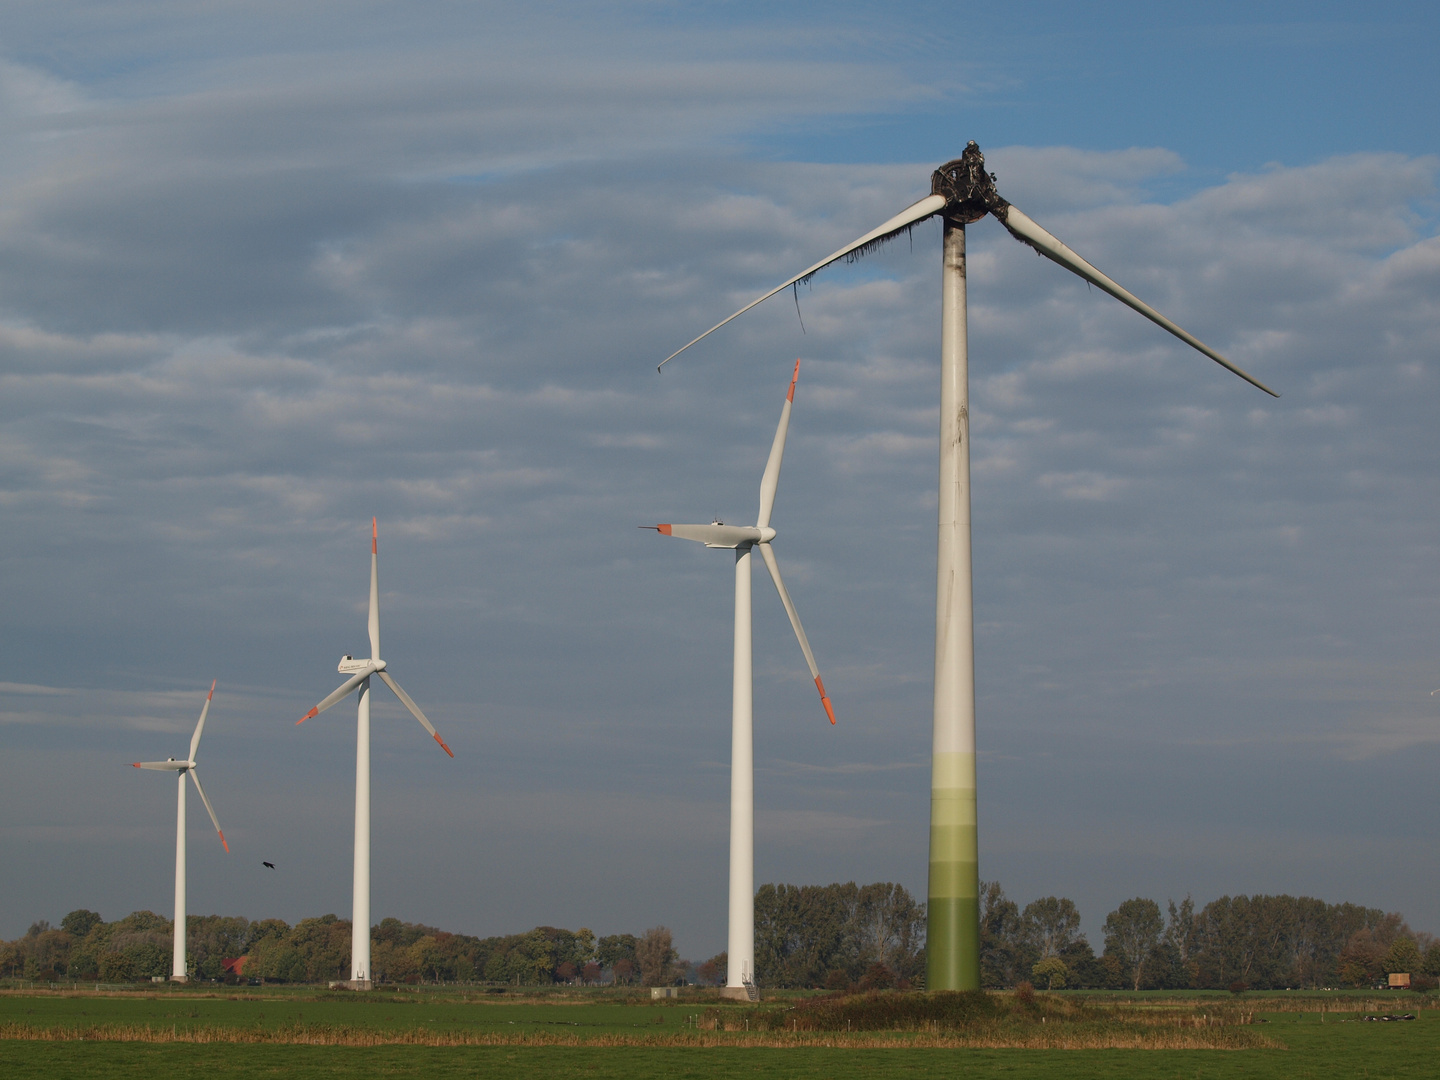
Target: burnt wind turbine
<point x="962" y="192"/>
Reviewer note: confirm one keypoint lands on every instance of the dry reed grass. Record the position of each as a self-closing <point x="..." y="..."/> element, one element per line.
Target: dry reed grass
<point x="1042" y="1037"/>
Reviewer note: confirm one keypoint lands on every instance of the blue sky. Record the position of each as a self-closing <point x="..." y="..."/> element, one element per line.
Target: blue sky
<point x="266" y="274"/>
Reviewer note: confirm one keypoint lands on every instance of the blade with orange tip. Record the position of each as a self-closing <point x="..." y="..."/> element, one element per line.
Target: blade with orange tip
<point x="715" y="535"/>
<point x="345" y="688"/>
<point x="824" y="699"/>
<point x="770" y="479"/>
<point x="206" y="800"/>
<point x="768" y="554"/>
<point x="200" y="727"/>
<point x="163" y="766"/>
<point x="415" y="711"/>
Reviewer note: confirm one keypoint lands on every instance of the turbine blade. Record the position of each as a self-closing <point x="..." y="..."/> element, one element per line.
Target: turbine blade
<point x="345" y="688"/>
<point x="1027" y="232"/>
<point x="770" y="480"/>
<point x="415" y="711"/>
<point x="163" y="766"/>
<point x="206" y="800"/>
<point x="768" y="554"/>
<point x="195" y="739"/>
<point x="713" y="535"/>
<point x="926" y="207"/>
<point x="374" y="589"/>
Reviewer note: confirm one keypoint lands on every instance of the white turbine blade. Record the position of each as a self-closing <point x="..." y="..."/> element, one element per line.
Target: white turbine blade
<point x="926" y="207"/>
<point x="770" y="480"/>
<point x="374" y="589"/>
<point x="199" y="727"/>
<point x="716" y="535"/>
<point x="1027" y="232"/>
<point x="415" y="711"/>
<point x="346" y="687"/>
<point x="206" y="800"/>
<point x="163" y="766"/>
<point x="774" y="567"/>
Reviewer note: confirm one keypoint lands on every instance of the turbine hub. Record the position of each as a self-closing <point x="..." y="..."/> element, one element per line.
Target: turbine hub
<point x="969" y="191"/>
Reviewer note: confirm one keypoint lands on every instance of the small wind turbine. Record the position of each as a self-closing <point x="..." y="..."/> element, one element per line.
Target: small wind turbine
<point x="962" y="192"/>
<point x="360" y="672"/>
<point x="742" y="539"/>
<point x="178" y="971"/>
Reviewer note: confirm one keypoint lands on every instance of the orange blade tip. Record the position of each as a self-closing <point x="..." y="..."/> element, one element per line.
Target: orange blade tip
<point x="222" y="842"/>
<point x="443" y="746"/>
<point x="313" y="712"/>
<point x="824" y="699"/>
<point x="374" y="536"/>
<point x="212" y="689"/>
<point x="136" y="764"/>
<point x="793" y="379"/>
<point x="663" y="530"/>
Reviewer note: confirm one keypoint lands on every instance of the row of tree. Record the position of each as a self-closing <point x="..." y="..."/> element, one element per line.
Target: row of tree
<point x="1261" y="942"/>
<point x="838" y="935"/>
<point x="833" y="936"/>
<point x="138" y="946"/>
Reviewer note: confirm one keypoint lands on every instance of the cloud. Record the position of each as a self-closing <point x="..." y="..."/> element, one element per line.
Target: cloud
<point x="255" y="300"/>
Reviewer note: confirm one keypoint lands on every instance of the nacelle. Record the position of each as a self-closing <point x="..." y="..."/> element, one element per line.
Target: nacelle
<point x="349" y="665"/>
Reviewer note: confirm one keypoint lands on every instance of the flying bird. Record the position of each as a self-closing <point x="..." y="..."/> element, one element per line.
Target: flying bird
<point x="271" y="865"/>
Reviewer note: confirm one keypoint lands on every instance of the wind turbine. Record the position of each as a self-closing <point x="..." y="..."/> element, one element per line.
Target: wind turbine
<point x="743" y="539"/>
<point x="178" y="972"/>
<point x="360" y="672"/>
<point x="961" y="192"/>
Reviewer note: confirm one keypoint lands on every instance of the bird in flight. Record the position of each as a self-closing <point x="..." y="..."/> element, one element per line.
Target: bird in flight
<point x="271" y="865"/>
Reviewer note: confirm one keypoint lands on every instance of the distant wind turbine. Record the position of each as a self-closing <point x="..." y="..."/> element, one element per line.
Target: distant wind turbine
<point x="360" y="672"/>
<point x="178" y="972"/>
<point x="742" y="539"/>
<point x="962" y="192"/>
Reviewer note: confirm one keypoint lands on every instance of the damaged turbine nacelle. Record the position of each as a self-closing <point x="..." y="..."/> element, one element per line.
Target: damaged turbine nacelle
<point x="968" y="190"/>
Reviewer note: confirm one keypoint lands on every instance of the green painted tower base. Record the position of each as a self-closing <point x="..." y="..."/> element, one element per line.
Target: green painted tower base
<point x="952" y="944"/>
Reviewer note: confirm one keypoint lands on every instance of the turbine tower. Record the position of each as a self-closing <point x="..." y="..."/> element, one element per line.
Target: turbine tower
<point x="962" y="192"/>
<point x="360" y="672"/>
<point x="740" y="974"/>
<point x="178" y="972"/>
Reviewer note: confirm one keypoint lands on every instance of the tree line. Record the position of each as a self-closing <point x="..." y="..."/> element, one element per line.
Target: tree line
<point x="1234" y="942"/>
<point x="86" y="947"/>
<point x="836" y="936"/>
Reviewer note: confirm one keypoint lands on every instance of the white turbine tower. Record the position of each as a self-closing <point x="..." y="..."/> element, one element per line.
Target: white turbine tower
<point x="740" y="978"/>
<point x="360" y="672"/>
<point x="178" y="972"/>
<point x="962" y="192"/>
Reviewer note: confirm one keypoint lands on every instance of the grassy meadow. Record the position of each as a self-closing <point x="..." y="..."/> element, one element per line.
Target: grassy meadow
<point x="301" y="1032"/>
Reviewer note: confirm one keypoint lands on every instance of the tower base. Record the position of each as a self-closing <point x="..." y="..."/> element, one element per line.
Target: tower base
<point x="352" y="984"/>
<point x="180" y="978"/>
<point x="739" y="993"/>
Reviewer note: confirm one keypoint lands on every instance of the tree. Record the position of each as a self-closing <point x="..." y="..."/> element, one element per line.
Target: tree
<point x="1431" y="966"/>
<point x="80" y="922"/>
<point x="1050" y="924"/>
<point x="1403" y="957"/>
<point x="1051" y="971"/>
<point x="655" y="954"/>
<point x="611" y="950"/>
<point x="1361" y="961"/>
<point x="715" y="970"/>
<point x="1000" y="936"/>
<point x="1131" y="931"/>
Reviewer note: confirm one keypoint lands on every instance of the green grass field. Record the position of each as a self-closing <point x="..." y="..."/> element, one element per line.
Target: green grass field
<point x="663" y="1041"/>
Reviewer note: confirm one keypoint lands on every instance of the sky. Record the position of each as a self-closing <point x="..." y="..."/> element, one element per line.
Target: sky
<point x="269" y="270"/>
